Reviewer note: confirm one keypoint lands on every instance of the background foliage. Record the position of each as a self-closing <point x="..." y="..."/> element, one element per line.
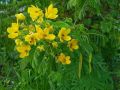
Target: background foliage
<point x="98" y="21"/>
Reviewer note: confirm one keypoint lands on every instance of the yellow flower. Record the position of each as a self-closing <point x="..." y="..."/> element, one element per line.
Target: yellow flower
<point x="51" y="12"/>
<point x="31" y="39"/>
<point x="39" y="32"/>
<point x="40" y="20"/>
<point x="35" y="13"/>
<point x="55" y="44"/>
<point x="44" y="34"/>
<point x="73" y="44"/>
<point x="64" y="59"/>
<point x="41" y="48"/>
<point x="18" y="42"/>
<point x="13" y="30"/>
<point x="20" y="16"/>
<point x="23" y="50"/>
<point x="24" y="54"/>
<point x="49" y="27"/>
<point x="63" y="34"/>
<point x="48" y="36"/>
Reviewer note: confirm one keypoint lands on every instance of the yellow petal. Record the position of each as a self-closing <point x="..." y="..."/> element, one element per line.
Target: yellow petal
<point x="35" y="12"/>
<point x="39" y="34"/>
<point x="28" y="38"/>
<point x="9" y="30"/>
<point x="15" y="26"/>
<point x="20" y="16"/>
<point x="50" y="7"/>
<point x="61" y="40"/>
<point x="18" y="42"/>
<point x="67" y="57"/>
<point x="12" y="35"/>
<point x="61" y="58"/>
<point x="67" y="38"/>
<point x="40" y="20"/>
<point x="76" y="47"/>
<point x="20" y="49"/>
<point x="55" y="11"/>
<point x="27" y="47"/>
<point x="68" y="61"/>
<point x="51" y="37"/>
<point x="23" y="48"/>
<point x="38" y="29"/>
<point x="12" y="29"/>
<point x="68" y="31"/>
<point x="51" y="12"/>
<point x="31" y="39"/>
<point x="46" y="31"/>
<point x="24" y="54"/>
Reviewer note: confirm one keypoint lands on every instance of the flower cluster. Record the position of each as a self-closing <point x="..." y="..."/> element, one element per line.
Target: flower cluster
<point x="38" y="29"/>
